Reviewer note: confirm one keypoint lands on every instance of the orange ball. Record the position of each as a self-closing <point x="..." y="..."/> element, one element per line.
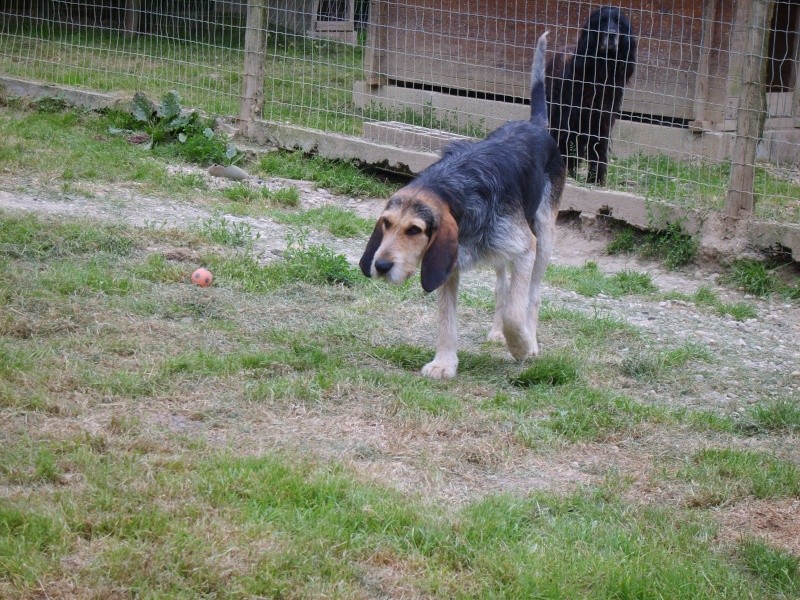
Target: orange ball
<point x="202" y="277"/>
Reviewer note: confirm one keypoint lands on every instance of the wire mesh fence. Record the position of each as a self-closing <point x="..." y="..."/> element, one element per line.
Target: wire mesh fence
<point x="714" y="101"/>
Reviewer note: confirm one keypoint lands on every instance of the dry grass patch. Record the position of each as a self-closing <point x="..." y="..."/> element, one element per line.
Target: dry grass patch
<point x="280" y="413"/>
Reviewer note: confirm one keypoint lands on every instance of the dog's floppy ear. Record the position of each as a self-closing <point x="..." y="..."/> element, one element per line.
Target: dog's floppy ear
<point x="372" y="246"/>
<point x="442" y="254"/>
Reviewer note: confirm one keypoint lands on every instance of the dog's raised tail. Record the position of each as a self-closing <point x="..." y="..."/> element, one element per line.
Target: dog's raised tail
<point x="538" y="99"/>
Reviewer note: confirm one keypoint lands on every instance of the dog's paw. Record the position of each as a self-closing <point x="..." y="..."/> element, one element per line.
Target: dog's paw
<point x="521" y="344"/>
<point x="496" y="335"/>
<point x="440" y="370"/>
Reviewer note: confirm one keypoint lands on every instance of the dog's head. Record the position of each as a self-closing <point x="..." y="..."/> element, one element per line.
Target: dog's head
<point x="415" y="227"/>
<point x="608" y="34"/>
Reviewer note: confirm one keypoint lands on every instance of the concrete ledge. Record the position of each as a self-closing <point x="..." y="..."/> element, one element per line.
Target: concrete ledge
<point x="404" y="135"/>
<point x="338" y="146"/>
<point x="78" y="97"/>
<point x="628" y="138"/>
<point x="718" y="237"/>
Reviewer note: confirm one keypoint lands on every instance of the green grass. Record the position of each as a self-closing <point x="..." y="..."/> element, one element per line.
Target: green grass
<point x="580" y="413"/>
<point x="741" y="311"/>
<point x="702" y="185"/>
<point x="75" y="151"/>
<point x="779" y="570"/>
<point x="25" y="236"/>
<point x="782" y="414"/>
<point x="340" y="222"/>
<point x="339" y="177"/>
<point x="287" y="197"/>
<point x="314" y="529"/>
<point x="669" y="244"/>
<point x="30" y="543"/>
<point x="721" y="476"/>
<point x="206" y="75"/>
<point x="762" y="280"/>
<point x="271" y="435"/>
<point x="651" y="365"/>
<point x="549" y="369"/>
<point x="589" y="281"/>
<point x="224" y="232"/>
<point x="316" y="264"/>
<point x="75" y="147"/>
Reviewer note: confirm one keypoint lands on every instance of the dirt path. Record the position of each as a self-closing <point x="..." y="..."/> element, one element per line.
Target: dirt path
<point x="753" y="360"/>
<point x="757" y="358"/>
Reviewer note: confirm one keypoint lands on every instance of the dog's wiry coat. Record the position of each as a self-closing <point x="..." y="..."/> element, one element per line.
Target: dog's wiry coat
<point x="494" y="201"/>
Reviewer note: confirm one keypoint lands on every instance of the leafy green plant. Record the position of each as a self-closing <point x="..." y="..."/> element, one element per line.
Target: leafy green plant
<point x="168" y="123"/>
<point x="51" y="104"/>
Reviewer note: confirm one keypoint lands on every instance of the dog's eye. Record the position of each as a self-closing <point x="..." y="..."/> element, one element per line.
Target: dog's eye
<point x="387" y="224"/>
<point x="413" y="230"/>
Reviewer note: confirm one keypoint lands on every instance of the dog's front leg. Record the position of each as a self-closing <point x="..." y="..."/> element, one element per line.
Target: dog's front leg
<point x="500" y="295"/>
<point x="445" y="363"/>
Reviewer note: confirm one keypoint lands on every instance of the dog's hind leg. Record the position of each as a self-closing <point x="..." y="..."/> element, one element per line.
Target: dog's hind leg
<point x="598" y="160"/>
<point x="500" y="300"/>
<point x="445" y="363"/>
<point x="545" y="231"/>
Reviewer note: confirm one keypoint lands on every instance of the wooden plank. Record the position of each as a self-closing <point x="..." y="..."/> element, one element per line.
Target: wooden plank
<point x="701" y="82"/>
<point x="486" y="47"/>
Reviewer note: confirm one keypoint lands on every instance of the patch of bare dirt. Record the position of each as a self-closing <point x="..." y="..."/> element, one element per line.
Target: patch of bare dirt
<point x="775" y="521"/>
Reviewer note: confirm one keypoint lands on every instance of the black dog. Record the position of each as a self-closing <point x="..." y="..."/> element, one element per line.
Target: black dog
<point x="585" y="90"/>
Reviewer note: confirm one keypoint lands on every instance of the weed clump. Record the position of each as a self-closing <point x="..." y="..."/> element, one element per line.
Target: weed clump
<point x="760" y="279"/>
<point x="168" y="125"/>
<point x="671" y="245"/>
<point x="550" y="369"/>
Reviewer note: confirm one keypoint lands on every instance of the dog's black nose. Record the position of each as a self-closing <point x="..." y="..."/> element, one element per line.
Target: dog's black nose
<point x="383" y="266"/>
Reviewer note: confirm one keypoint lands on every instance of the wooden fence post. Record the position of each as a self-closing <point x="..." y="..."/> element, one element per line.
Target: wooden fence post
<point x="251" y="102"/>
<point x="133" y="9"/>
<point x="751" y="34"/>
<point x="375" y="53"/>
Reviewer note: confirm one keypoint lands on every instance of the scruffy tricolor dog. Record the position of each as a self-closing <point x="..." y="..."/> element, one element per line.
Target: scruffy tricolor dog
<point x="494" y="201"/>
<point x="585" y="89"/>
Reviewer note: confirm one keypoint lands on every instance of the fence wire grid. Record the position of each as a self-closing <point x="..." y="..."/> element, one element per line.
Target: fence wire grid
<point x="691" y="112"/>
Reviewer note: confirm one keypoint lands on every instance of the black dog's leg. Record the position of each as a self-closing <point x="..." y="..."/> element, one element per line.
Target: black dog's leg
<point x="598" y="160"/>
<point x="598" y="149"/>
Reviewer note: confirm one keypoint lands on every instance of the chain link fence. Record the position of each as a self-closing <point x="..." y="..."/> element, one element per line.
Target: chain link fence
<point x="710" y="119"/>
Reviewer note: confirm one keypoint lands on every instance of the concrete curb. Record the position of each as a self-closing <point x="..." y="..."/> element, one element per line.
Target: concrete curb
<point x="718" y="237"/>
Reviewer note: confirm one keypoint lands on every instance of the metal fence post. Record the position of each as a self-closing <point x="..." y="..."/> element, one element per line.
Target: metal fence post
<point x="251" y="102"/>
